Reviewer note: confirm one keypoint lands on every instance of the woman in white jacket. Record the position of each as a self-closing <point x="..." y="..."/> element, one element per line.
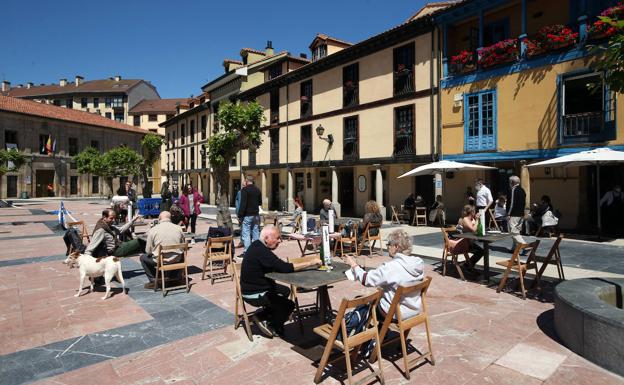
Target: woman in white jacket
<point x="402" y="270"/>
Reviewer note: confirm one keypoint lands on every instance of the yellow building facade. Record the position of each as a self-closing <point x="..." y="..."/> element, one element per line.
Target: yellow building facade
<point x="533" y="99"/>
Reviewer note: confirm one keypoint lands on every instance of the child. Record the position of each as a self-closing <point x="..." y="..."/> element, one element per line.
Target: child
<point x="500" y="213"/>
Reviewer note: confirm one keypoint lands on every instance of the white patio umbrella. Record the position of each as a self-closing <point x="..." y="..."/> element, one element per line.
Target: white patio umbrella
<point x="596" y="157"/>
<point x="444" y="166"/>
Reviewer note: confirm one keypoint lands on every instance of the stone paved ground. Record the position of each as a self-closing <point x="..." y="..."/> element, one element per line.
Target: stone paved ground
<point x="47" y="336"/>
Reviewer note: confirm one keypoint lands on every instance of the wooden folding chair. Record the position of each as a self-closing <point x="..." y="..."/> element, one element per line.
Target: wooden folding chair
<point x="218" y="255"/>
<point x="448" y="250"/>
<point x="294" y="290"/>
<point x="394" y="320"/>
<point x="492" y="220"/>
<point x="366" y="236"/>
<point x="553" y="257"/>
<point x="82" y="227"/>
<point x="296" y="227"/>
<point x="521" y="267"/>
<point x="350" y="239"/>
<point x="420" y="216"/>
<point x="161" y="266"/>
<point x="244" y="317"/>
<point x="350" y="344"/>
<point x="397" y="217"/>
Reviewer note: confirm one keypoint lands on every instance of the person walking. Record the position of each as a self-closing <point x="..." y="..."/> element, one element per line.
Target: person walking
<point x="515" y="210"/>
<point x="166" y="197"/>
<point x="248" y="212"/>
<point x="189" y="203"/>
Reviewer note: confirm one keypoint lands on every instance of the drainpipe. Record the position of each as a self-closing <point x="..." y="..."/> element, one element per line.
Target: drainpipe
<point x="290" y="203"/>
<point x="439" y="81"/>
<point x="431" y="111"/>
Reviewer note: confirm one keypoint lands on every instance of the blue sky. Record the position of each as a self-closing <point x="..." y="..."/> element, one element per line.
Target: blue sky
<point x="178" y="45"/>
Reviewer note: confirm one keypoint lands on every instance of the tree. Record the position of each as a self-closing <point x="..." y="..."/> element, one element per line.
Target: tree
<point x="240" y="129"/>
<point x="114" y="163"/>
<point x="151" y="145"/>
<point x="612" y="61"/>
<point x="11" y="160"/>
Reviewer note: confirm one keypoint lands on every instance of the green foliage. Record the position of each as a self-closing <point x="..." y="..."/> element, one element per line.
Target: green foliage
<point x="151" y="145"/>
<point x="17" y="158"/>
<point x="240" y="129"/>
<point x="120" y="161"/>
<point x="612" y="60"/>
<point x="88" y="161"/>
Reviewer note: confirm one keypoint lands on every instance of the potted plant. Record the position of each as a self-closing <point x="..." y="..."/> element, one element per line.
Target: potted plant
<point x="550" y="38"/>
<point x="463" y="62"/>
<point x="600" y="29"/>
<point x="504" y="51"/>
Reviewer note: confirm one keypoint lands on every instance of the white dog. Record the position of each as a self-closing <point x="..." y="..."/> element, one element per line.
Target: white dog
<point x="96" y="267"/>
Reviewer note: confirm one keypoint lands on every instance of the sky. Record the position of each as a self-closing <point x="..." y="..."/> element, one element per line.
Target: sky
<point x="178" y="45"/>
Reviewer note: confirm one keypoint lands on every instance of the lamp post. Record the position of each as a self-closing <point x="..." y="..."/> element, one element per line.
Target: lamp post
<point x="320" y="130"/>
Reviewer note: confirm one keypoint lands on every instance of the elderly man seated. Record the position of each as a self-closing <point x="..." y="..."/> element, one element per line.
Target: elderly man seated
<point x="106" y="241"/>
<point x="260" y="291"/>
<point x="327" y="205"/>
<point x="164" y="233"/>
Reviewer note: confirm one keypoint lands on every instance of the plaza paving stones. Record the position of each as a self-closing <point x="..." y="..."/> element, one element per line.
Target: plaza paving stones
<point x="47" y="336"/>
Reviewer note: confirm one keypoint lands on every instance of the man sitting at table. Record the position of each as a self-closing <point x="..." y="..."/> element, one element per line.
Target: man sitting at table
<point x="260" y="291"/>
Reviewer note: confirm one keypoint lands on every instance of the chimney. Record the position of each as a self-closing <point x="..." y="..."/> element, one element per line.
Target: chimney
<point x="303" y="55"/>
<point x="63" y="82"/>
<point x="269" y="48"/>
<point x="29" y="84"/>
<point x="117" y="78"/>
<point x="6" y="85"/>
<point x="79" y="80"/>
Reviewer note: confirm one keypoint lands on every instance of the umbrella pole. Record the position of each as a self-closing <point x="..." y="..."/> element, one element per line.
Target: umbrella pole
<point x="598" y="200"/>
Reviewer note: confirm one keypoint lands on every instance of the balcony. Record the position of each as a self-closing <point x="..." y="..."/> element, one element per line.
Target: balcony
<point x="350" y="95"/>
<point x="582" y="125"/>
<point x="403" y="81"/>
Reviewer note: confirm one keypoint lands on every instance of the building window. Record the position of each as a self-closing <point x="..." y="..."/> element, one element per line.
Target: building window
<point x="275" y="70"/>
<point x="11" y="186"/>
<point x="404" y="131"/>
<point x="108" y="101"/>
<point x="95" y="185"/>
<point x="203" y="160"/>
<point x="215" y="117"/>
<point x="73" y="147"/>
<point x="274" y="95"/>
<point x="56" y="102"/>
<point x="350" y="85"/>
<point x="96" y="102"/>
<point x="117" y="101"/>
<point x="10" y="138"/>
<point x="119" y="117"/>
<point x="182" y="159"/>
<point x="274" y="134"/>
<point x="137" y="120"/>
<point x="404" y="58"/>
<point x="182" y="134"/>
<point x="192" y="129"/>
<point x="587" y="111"/>
<point x="480" y="121"/>
<point x="192" y="151"/>
<point x="203" y="123"/>
<point x="84" y="102"/>
<point x="350" y="148"/>
<point x="306" y="99"/>
<point x="69" y="103"/>
<point x="306" y="143"/>
<point x="495" y="31"/>
<point x="173" y="142"/>
<point x="95" y="144"/>
<point x="319" y="52"/>
<point x="108" y="115"/>
<point x="43" y="140"/>
<point x="234" y="161"/>
<point x="152" y="118"/>
<point x="73" y="185"/>
<point x="252" y="156"/>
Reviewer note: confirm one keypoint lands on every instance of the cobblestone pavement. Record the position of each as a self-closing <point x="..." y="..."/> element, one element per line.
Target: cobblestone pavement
<point x="47" y="336"/>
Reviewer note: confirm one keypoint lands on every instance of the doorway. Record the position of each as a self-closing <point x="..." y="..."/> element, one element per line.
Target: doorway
<point x="45" y="179"/>
<point x="236" y="186"/>
<point x="11" y="186"/>
<point x="274" y="202"/>
<point x="345" y="193"/>
<point x="425" y="188"/>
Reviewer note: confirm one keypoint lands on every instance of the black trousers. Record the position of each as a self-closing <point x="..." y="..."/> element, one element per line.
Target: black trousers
<point x="277" y="304"/>
<point x="477" y="253"/>
<point x="192" y="220"/>
<point x="149" y="265"/>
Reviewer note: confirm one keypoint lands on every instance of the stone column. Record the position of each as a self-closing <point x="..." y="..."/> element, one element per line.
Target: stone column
<point x="438" y="184"/>
<point x="212" y="188"/>
<point x="290" y="202"/>
<point x="334" y="194"/>
<point x="265" y="197"/>
<point x="525" y="182"/>
<point x="379" y="189"/>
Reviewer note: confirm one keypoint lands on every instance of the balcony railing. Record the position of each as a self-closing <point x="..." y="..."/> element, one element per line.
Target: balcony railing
<point x="403" y="82"/>
<point x="350" y="96"/>
<point x="275" y="156"/>
<point x="404" y="146"/>
<point x="350" y="149"/>
<point x="583" y="124"/>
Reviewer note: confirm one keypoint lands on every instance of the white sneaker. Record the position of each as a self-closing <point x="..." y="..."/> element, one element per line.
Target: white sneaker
<point x="193" y="241"/>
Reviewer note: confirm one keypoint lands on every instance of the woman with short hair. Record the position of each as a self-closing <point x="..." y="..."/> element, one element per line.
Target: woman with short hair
<point x="403" y="270"/>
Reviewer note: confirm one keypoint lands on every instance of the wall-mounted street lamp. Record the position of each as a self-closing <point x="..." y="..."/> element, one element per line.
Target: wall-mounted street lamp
<point x="320" y="130"/>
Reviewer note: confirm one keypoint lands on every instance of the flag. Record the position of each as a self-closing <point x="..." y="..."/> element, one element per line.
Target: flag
<point x="54" y="146"/>
<point x="61" y="216"/>
<point x="48" y="146"/>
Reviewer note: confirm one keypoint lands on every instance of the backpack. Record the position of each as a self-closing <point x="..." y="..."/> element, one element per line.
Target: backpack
<point x="355" y="321"/>
<point x="218" y="232"/>
<point x="311" y="225"/>
<point x="73" y="241"/>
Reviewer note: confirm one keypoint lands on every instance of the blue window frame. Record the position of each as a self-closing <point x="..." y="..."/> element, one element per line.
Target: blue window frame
<point x="480" y="121"/>
<point x="586" y="108"/>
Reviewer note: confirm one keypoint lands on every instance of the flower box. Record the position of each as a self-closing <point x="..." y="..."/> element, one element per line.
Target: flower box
<point x="463" y="62"/>
<point x="505" y="51"/>
<point x="550" y="38"/>
<point x="601" y="29"/>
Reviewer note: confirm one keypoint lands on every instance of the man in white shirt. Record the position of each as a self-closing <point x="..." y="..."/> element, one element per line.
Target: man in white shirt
<point x="484" y="195"/>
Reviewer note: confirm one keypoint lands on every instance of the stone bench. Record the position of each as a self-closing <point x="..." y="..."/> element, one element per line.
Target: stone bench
<point x="589" y="319"/>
